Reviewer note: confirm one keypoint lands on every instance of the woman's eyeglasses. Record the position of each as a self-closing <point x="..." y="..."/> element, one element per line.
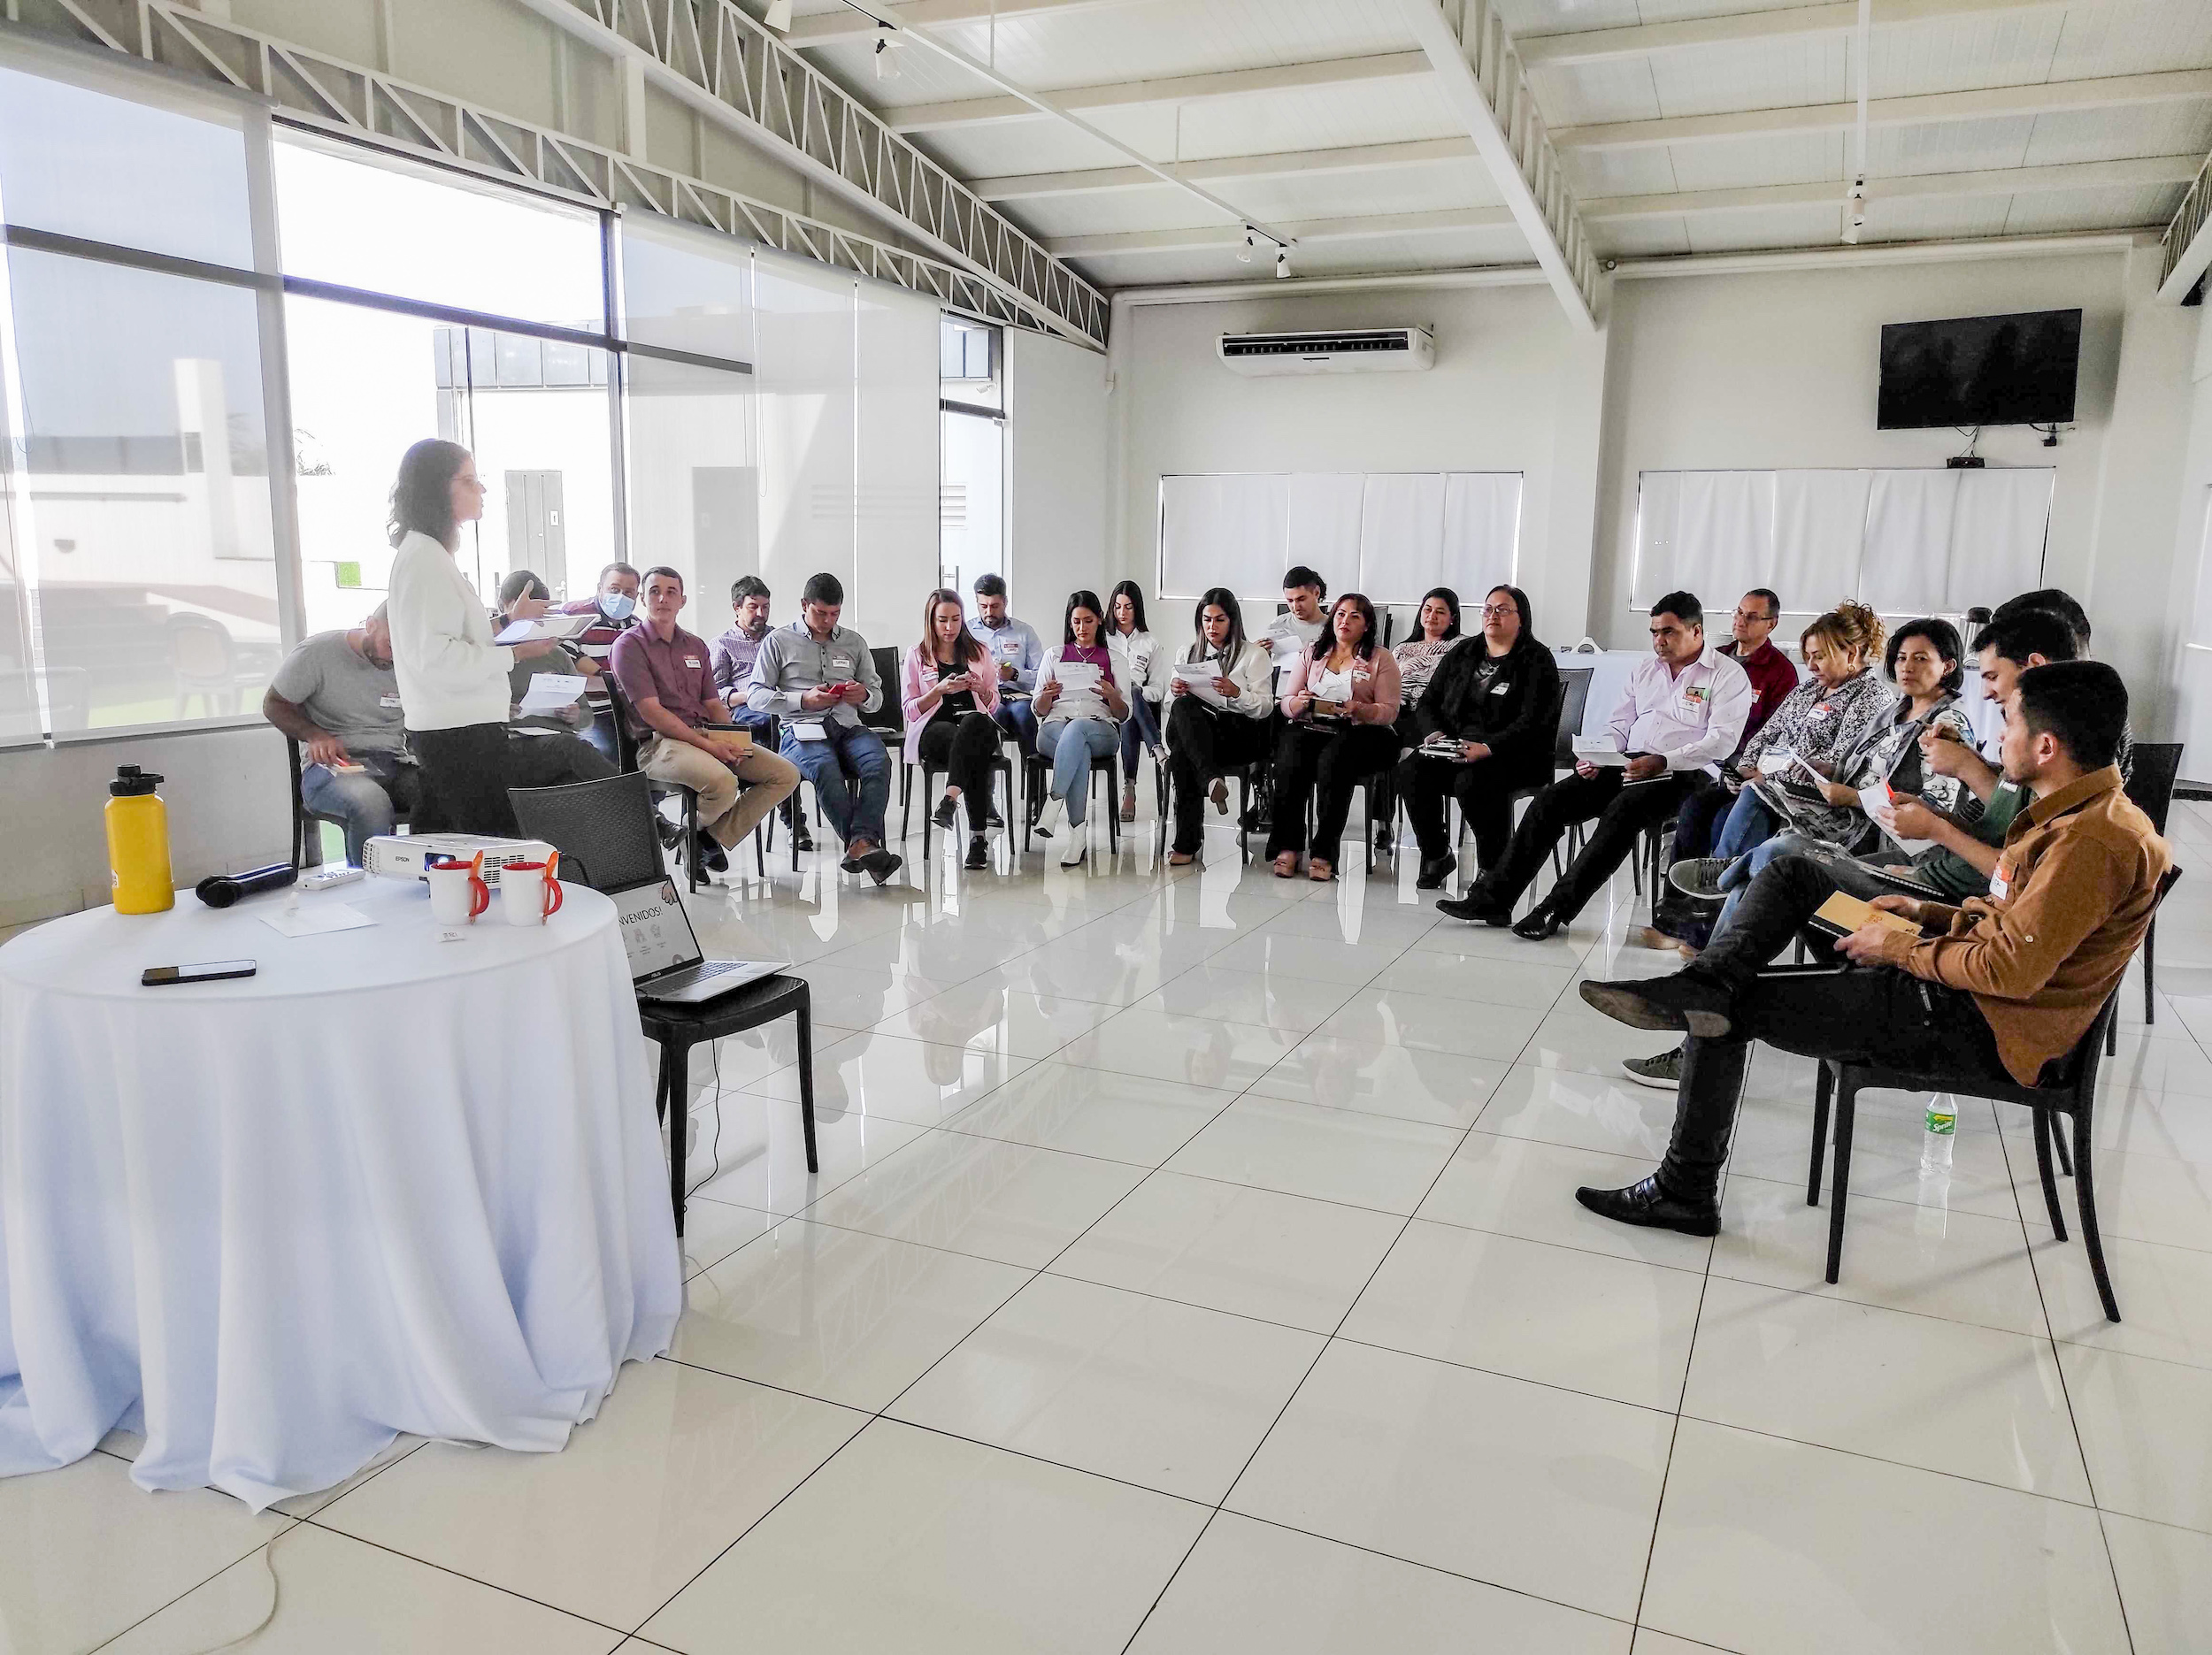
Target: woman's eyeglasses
<point x="1498" y="612"/>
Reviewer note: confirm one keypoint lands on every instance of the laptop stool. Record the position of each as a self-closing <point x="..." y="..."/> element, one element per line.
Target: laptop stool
<point x="678" y="1028"/>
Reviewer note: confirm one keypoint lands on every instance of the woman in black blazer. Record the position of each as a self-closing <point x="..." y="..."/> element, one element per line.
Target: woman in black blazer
<point x="1497" y="695"/>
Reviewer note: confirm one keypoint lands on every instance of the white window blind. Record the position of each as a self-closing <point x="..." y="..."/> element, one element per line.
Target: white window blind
<point x="1905" y="541"/>
<point x="1393" y="535"/>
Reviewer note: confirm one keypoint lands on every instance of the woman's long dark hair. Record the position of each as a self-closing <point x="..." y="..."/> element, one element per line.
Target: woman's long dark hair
<point x="1943" y="638"/>
<point x="1135" y="592"/>
<point x="966" y="647"/>
<point x="1365" y="648"/>
<point x="1218" y="598"/>
<point x="1527" y="640"/>
<point x="422" y="495"/>
<point x="1082" y="599"/>
<point x="1451" y="602"/>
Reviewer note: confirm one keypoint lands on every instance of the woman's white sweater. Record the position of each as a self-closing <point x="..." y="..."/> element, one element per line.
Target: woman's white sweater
<point x="451" y="673"/>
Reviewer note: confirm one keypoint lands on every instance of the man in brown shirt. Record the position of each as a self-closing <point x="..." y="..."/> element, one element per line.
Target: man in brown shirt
<point x="1994" y="988"/>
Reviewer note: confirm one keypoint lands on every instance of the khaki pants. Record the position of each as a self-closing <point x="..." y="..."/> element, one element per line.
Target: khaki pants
<point x="724" y="811"/>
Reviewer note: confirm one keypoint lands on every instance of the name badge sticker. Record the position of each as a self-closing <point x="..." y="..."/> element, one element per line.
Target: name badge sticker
<point x="692" y="662"/>
<point x="388" y="701"/>
<point x="839" y="665"/>
<point x="1500" y="689"/>
<point x="2000" y="879"/>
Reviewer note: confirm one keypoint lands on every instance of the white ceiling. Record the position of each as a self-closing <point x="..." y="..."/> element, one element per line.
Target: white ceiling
<point x="2035" y="117"/>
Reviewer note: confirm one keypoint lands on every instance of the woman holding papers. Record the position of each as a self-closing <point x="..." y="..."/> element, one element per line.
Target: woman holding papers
<point x="1143" y="665"/>
<point x="559" y="662"/>
<point x="1081" y="701"/>
<point x="1486" y="729"/>
<point x="949" y="692"/>
<point x="1337" y="729"/>
<point x="1219" y="698"/>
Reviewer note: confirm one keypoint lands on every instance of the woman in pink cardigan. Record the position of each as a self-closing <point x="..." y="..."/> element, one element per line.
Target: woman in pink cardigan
<point x="1338" y="719"/>
<point x="949" y="691"/>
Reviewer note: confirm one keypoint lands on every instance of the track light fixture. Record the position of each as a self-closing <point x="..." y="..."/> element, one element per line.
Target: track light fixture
<point x="1854" y="211"/>
<point x="778" y="17"/>
<point x="887" y="61"/>
<point x="1282" y="263"/>
<point x="1251" y="244"/>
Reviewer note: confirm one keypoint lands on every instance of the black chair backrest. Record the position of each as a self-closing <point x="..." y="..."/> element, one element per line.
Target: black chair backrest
<point x="889" y="716"/>
<point x="1574" y="700"/>
<point x="624" y="741"/>
<point x="604" y="830"/>
<point x="2150" y="782"/>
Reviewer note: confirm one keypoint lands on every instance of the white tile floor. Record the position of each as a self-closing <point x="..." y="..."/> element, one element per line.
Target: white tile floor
<point x="1193" y="1266"/>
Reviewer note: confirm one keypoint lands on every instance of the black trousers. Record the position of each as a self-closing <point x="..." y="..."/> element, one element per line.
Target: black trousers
<point x="963" y="745"/>
<point x="1696" y="827"/>
<point x="1485" y="790"/>
<point x="466" y="772"/>
<point x="1621" y="811"/>
<point x="1329" y="760"/>
<point x="1204" y="741"/>
<point x="1874" y="1013"/>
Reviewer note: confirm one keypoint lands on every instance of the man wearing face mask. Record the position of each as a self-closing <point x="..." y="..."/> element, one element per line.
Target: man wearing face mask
<point x="733" y="654"/>
<point x="615" y="604"/>
<point x="337" y="697"/>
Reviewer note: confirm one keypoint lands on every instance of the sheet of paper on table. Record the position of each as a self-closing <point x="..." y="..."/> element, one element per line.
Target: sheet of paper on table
<point x="312" y="919"/>
<point x="552" y="693"/>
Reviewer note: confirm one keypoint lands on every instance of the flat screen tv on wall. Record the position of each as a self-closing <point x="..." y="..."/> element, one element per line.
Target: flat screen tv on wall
<point x="1981" y="370"/>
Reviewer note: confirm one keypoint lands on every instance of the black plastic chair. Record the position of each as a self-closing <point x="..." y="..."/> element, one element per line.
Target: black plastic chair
<point x="604" y="833"/>
<point x="1037" y="785"/>
<point x="625" y="762"/>
<point x="1243" y="774"/>
<point x="307" y="839"/>
<point x="1001" y="768"/>
<point x="2068" y="1086"/>
<point x="889" y="720"/>
<point x="2150" y="788"/>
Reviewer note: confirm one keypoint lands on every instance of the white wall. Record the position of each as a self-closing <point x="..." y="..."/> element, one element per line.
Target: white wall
<point x="1058" y="448"/>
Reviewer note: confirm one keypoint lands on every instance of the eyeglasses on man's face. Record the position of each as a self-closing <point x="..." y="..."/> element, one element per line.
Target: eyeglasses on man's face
<point x="1756" y="615"/>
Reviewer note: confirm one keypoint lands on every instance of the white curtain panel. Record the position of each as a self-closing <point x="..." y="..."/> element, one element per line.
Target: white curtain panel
<point x="1908" y="519"/>
<point x="895" y="506"/>
<point x="1709" y="533"/>
<point x="1997" y="535"/>
<point x="804" y="376"/>
<point x="686" y="289"/>
<point x="1658" y="533"/>
<point x="1819" y="535"/>
<point x="1223" y="531"/>
<point x="1400" y="534"/>
<point x="1482" y="528"/>
<point x="1322" y="529"/>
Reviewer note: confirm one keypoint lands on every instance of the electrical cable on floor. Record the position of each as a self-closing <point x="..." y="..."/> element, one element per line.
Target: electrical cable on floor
<point x="276" y="1593"/>
<point x="714" y="1051"/>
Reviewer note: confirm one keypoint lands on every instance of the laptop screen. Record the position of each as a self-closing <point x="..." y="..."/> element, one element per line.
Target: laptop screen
<point x="655" y="932"/>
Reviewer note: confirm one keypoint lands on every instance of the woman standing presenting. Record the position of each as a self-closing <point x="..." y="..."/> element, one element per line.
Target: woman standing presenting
<point x="1207" y="736"/>
<point x="949" y="692"/>
<point x="1079" y="705"/>
<point x="1142" y="664"/>
<point x="452" y="678"/>
<point x="1338" y="716"/>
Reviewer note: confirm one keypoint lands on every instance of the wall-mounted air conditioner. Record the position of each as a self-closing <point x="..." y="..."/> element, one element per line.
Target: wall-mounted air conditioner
<point x="1343" y="350"/>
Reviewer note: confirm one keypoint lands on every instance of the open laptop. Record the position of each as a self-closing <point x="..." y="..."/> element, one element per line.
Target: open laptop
<point x="666" y="962"/>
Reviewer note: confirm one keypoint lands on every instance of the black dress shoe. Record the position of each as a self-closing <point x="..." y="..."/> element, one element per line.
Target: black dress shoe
<point x="1434" y="873"/>
<point x="1478" y="906"/>
<point x="800" y="838"/>
<point x="711" y="856"/>
<point x="879" y="864"/>
<point x="1685" y="1003"/>
<point x="1541" y="924"/>
<point x="1646" y="1205"/>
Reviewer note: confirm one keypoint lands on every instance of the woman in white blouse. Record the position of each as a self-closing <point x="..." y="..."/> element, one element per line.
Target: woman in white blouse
<point x="1215" y="722"/>
<point x="1142" y="664"/>
<point x="452" y="679"/>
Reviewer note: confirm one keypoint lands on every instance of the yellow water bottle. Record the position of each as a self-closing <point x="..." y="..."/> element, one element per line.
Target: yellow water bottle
<point x="138" y="843"/>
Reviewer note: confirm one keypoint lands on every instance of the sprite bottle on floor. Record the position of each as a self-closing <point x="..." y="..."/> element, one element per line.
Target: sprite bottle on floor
<point x="1942" y="1126"/>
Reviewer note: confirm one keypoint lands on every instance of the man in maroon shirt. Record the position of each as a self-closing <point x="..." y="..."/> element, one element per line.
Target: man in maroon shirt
<point x="684" y="730"/>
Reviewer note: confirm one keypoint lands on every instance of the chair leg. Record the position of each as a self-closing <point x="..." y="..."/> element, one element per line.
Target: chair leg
<point x="2112" y="1038"/>
<point x="2043" y="1133"/>
<point x="2065" y="1160"/>
<point x="928" y="821"/>
<point x="760" y="854"/>
<point x="906" y="808"/>
<point x="2086" y="1197"/>
<point x="1823" y="1089"/>
<point x="672" y="1064"/>
<point x="2150" y="972"/>
<point x="1847" y="1105"/>
<point x="806" y="1078"/>
<point x="691" y="846"/>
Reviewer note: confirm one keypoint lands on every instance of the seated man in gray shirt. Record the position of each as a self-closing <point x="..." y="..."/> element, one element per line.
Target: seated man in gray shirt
<point x="337" y="696"/>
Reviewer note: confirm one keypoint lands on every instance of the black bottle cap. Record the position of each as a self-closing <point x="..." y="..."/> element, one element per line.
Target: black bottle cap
<point x="132" y="783"/>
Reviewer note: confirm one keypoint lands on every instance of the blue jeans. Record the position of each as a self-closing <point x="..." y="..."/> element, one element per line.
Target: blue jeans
<point x="1750" y="823"/>
<point x="1019" y="719"/>
<point x="1072" y="743"/>
<point x="1736" y="876"/>
<point x="368" y="803"/>
<point x="1140" y="730"/>
<point x="855" y="751"/>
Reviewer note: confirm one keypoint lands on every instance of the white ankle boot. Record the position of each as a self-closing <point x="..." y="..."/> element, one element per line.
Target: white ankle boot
<point x="1049" y="818"/>
<point x="1072" y="849"/>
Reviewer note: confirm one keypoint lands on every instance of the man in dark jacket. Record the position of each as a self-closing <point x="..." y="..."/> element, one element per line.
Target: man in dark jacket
<point x="1497" y="696"/>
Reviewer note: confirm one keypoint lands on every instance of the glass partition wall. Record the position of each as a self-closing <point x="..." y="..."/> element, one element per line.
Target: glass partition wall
<point x="217" y="336"/>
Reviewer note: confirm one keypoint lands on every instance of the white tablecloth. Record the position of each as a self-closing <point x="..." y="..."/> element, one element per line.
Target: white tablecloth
<point x="391" y="1183"/>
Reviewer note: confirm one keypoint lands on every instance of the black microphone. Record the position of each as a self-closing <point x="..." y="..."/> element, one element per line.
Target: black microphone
<point x="221" y="890"/>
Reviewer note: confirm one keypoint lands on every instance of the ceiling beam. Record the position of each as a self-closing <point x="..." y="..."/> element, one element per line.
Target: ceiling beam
<point x="1365" y="157"/>
<point x="844" y="25"/>
<point x="2009" y="181"/>
<point x="1175" y="89"/>
<point x="1639" y="40"/>
<point x="1994" y="103"/>
<point x="1372" y="228"/>
<point x="1481" y="76"/>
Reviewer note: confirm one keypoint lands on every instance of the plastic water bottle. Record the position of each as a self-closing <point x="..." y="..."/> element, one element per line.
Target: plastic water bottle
<point x="1942" y="1126"/>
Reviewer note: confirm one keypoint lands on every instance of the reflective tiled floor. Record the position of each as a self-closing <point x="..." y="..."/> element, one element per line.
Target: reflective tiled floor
<point x="1193" y="1267"/>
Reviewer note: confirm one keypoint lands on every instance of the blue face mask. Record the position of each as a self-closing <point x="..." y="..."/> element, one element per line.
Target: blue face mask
<point x="615" y="607"/>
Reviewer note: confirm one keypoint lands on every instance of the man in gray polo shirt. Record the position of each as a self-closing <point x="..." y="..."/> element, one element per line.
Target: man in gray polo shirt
<point x="793" y="676"/>
<point x="337" y="696"/>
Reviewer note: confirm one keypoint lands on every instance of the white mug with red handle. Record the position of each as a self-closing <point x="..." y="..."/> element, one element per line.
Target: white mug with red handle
<point x="529" y="893"/>
<point x="458" y="891"/>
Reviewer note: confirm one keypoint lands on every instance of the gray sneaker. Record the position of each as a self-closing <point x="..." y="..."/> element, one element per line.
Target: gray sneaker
<point x="1663" y="1073"/>
<point x="1699" y="879"/>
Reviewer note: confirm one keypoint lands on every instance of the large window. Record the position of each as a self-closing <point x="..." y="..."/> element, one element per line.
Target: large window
<point x="972" y="441"/>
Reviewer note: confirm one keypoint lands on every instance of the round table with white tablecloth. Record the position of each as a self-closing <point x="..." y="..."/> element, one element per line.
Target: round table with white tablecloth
<point x="392" y="1183"/>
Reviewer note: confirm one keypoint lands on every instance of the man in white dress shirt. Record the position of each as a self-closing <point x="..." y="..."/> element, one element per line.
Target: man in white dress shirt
<point x="1681" y="714"/>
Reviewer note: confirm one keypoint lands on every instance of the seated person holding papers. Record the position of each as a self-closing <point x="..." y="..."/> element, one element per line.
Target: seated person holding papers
<point x="1336" y="730"/>
<point x="337" y="697"/>
<point x="1486" y="728"/>
<point x="1219" y="699"/>
<point x="1997" y="986"/>
<point x="818" y="678"/>
<point x="1680" y="714"/>
<point x="1016" y="650"/>
<point x="1081" y="700"/>
<point x="559" y="705"/>
<point x="949" y="691"/>
<point x="612" y="608"/>
<point x="683" y="728"/>
<point x="732" y="656"/>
